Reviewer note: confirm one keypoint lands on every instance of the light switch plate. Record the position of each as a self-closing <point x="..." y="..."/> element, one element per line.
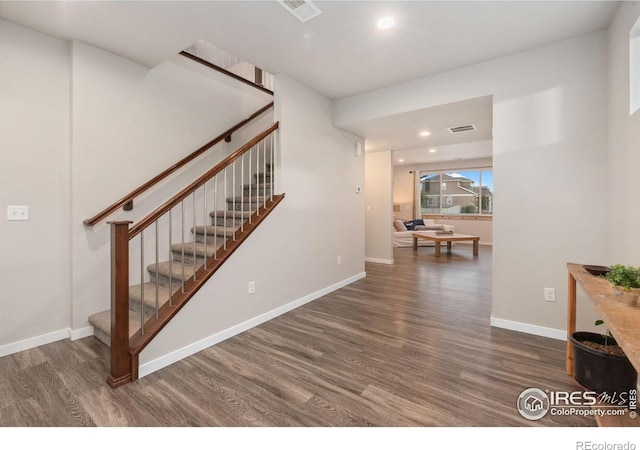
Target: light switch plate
<point x="17" y="213"/>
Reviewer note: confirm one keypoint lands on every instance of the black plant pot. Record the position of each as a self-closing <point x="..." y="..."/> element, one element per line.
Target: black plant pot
<point x="599" y="371"/>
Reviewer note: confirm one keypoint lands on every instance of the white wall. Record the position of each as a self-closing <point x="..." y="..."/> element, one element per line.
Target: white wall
<point x="550" y="136"/>
<point x="292" y="256"/>
<point x="379" y="216"/>
<point x="624" y="144"/>
<point x="34" y="171"/>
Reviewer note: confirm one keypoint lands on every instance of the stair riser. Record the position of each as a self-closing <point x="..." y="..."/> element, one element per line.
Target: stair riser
<point x="149" y="312"/>
<point x="229" y="222"/>
<point x="163" y="277"/>
<point x="256" y="191"/>
<point x="213" y="240"/>
<point x="188" y="258"/>
<point x="164" y="280"/>
<point x="243" y="206"/>
<point x="102" y="336"/>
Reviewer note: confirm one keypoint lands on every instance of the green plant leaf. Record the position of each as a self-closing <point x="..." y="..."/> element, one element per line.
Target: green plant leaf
<point x="624" y="276"/>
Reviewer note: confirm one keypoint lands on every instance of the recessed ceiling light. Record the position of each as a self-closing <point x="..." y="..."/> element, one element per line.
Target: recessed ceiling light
<point x="432" y="150"/>
<point x="385" y="23"/>
<point x="401" y="160"/>
<point x="425" y="133"/>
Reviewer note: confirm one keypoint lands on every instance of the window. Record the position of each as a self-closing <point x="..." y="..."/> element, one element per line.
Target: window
<point x="468" y="192"/>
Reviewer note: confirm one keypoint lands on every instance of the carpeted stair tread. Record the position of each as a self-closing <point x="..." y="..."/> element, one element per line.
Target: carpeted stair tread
<point x="102" y="325"/>
<point x="256" y="186"/>
<point x="247" y="199"/>
<point x="257" y="189"/>
<point x="213" y="230"/>
<point x="199" y="247"/>
<point x="173" y="269"/>
<point x="135" y="294"/>
<point x="231" y="214"/>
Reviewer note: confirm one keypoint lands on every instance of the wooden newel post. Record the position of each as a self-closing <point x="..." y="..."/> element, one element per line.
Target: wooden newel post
<point x="120" y="357"/>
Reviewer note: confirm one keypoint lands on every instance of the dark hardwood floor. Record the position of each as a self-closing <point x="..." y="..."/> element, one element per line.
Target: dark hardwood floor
<point x="409" y="345"/>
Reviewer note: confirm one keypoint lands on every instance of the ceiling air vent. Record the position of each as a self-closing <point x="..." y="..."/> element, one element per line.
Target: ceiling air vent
<point x="303" y="10"/>
<point x="462" y="128"/>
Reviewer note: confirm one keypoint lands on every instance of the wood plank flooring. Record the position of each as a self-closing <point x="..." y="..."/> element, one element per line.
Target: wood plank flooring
<point x="408" y="346"/>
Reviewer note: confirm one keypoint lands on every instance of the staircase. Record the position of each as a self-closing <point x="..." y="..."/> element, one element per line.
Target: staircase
<point x="169" y="270"/>
<point x="186" y="258"/>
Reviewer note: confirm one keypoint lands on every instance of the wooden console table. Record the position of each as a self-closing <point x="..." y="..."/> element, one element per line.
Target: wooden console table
<point x="622" y="321"/>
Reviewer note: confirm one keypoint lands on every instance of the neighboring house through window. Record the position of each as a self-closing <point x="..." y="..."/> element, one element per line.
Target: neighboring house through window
<point x="463" y="192"/>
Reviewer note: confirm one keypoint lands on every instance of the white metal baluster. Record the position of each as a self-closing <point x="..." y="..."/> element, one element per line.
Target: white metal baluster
<point x="264" y="166"/>
<point x="215" y="217"/>
<point x="271" y="184"/>
<point x="181" y="262"/>
<point x="258" y="173"/>
<point x="194" y="236"/>
<point x="142" y="281"/>
<point x="250" y="182"/>
<point x="157" y="278"/>
<point x="233" y="180"/>
<point x="242" y="190"/>
<point x="225" y="209"/>
<point x="170" y="254"/>
<point x="206" y="225"/>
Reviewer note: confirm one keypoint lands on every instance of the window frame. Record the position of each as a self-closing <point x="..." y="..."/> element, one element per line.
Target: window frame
<point x="479" y="215"/>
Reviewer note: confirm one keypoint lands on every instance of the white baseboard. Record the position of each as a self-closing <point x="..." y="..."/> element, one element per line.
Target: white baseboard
<point x="379" y="260"/>
<point x="166" y="360"/>
<point x="33" y="342"/>
<point x="522" y="327"/>
<point x="36" y="341"/>
<point x="74" y="335"/>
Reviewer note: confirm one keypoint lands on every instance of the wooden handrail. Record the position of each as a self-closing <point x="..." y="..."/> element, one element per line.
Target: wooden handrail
<point x="184" y="193"/>
<point x="225" y="71"/>
<point x="162" y="175"/>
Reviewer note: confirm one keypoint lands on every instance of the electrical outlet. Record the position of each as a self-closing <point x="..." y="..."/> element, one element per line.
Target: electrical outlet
<point x="17" y="213"/>
<point x="251" y="287"/>
<point x="550" y="294"/>
<point x="339" y="260"/>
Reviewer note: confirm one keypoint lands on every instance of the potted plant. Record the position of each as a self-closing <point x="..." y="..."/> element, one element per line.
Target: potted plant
<point x="625" y="280"/>
<point x="600" y="365"/>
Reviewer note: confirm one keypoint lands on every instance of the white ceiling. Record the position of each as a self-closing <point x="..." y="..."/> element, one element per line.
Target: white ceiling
<point x="467" y="151"/>
<point x="339" y="53"/>
<point x="402" y="131"/>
